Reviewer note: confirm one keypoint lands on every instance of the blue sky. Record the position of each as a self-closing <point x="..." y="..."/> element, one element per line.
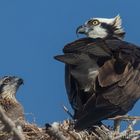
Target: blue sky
<point x="33" y="31"/>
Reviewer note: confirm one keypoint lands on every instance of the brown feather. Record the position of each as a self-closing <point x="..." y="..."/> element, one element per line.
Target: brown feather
<point x="107" y="74"/>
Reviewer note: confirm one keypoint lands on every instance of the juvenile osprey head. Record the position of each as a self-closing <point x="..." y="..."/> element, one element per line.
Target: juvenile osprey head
<point x="8" y="86"/>
<point x="102" y="28"/>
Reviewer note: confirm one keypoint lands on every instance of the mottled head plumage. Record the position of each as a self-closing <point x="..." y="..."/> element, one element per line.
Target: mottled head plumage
<point x="9" y="85"/>
<point x="103" y="28"/>
<point x="12" y="108"/>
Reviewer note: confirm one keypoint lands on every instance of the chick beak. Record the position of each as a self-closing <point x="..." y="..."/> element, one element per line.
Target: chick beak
<point x="20" y="81"/>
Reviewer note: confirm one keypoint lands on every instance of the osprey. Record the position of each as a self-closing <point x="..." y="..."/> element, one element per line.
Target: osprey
<point x="102" y="72"/>
<point x="8" y="88"/>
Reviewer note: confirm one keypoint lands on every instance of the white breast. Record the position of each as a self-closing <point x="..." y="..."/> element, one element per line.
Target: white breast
<point x="93" y="72"/>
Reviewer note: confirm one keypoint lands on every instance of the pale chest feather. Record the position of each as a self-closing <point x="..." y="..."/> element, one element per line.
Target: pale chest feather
<point x="12" y="109"/>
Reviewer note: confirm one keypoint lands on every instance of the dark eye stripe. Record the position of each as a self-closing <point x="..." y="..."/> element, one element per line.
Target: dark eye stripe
<point x="90" y="22"/>
<point x="107" y="26"/>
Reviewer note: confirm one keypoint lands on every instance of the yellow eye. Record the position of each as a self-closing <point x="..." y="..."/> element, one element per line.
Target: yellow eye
<point x="95" y="22"/>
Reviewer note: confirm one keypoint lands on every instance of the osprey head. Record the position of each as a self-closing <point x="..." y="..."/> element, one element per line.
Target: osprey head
<point x="9" y="85"/>
<point x="102" y="28"/>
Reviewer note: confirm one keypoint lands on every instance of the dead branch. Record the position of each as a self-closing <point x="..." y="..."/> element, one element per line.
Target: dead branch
<point x="126" y="118"/>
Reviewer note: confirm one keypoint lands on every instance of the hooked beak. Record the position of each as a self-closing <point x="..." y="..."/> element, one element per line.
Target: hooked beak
<point x="80" y="30"/>
<point x="20" y="81"/>
<point x="83" y="29"/>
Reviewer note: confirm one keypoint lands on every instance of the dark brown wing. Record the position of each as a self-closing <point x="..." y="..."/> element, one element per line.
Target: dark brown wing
<point x="115" y="89"/>
<point x="117" y="85"/>
<point x="72" y="88"/>
<point x="76" y="72"/>
<point x="88" y="45"/>
<point x="115" y="99"/>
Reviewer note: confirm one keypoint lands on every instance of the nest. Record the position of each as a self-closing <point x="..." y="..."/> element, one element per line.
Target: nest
<point x="65" y="131"/>
<point x="29" y="132"/>
<point x="33" y="132"/>
<point x="10" y="130"/>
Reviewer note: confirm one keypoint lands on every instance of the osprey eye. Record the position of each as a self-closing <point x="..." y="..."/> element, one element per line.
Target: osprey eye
<point x="95" y="22"/>
<point x="6" y="81"/>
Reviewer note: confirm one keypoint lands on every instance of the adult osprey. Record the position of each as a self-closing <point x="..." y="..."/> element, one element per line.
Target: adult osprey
<point x="102" y="72"/>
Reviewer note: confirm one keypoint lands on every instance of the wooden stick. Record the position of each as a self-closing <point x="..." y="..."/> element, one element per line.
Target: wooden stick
<point x="67" y="111"/>
<point x="126" y="118"/>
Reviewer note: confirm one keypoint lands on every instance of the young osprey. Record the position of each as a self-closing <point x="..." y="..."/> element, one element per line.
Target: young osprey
<point x="8" y="88"/>
<point x="102" y="72"/>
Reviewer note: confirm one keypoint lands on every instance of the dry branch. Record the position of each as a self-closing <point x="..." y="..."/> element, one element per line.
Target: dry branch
<point x="126" y="118"/>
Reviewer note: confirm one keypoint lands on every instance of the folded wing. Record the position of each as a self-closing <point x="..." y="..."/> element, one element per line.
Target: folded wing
<point x="102" y="78"/>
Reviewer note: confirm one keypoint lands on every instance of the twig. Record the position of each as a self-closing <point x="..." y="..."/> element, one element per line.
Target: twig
<point x="67" y="111"/>
<point x="118" y="119"/>
<point x="117" y="125"/>
<point x="10" y="126"/>
<point x="126" y="118"/>
<point x="134" y="134"/>
<point x="31" y="114"/>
